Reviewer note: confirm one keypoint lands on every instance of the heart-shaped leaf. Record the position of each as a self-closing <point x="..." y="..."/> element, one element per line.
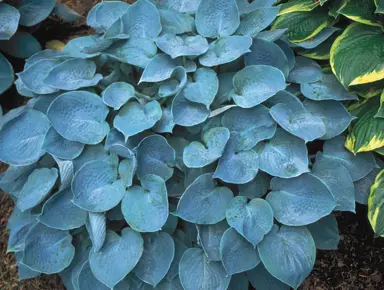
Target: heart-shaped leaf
<point x="145" y="208"/>
<point x="289" y="254"/>
<point x="252" y="220"/>
<point x="176" y="46"/>
<point x="117" y="94"/>
<point x="122" y="251"/>
<point x="283" y="155"/>
<point x="159" y="68"/>
<point x="95" y="187"/>
<point x="256" y="83"/>
<point x="155" y="156"/>
<point x="196" y="272"/>
<point x="159" y="251"/>
<point x="300" y="200"/>
<point x="75" y="119"/>
<point x="134" y="117"/>
<point x="305" y="71"/>
<point x="203" y="202"/>
<point x="257" y="20"/>
<point x="197" y="155"/>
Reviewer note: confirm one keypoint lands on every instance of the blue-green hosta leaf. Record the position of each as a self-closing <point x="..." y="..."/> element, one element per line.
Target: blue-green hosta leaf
<point x="117" y="94"/>
<point x="6" y="73"/>
<point x="286" y="98"/>
<point x="44" y="101"/>
<point x="225" y="49"/>
<point x="254" y="124"/>
<point x="95" y="187"/>
<point x="19" y="227"/>
<point x="9" y="21"/>
<point x="174" y="22"/>
<point x="363" y="186"/>
<point x="239" y="282"/>
<point x="145" y="208"/>
<point x="22" y="138"/>
<point x="14" y="172"/>
<point x="256" y="83"/>
<point x="197" y="155"/>
<point x="60" y="147"/>
<point x="65" y="13"/>
<point x="175" y="46"/>
<point x="300" y="200"/>
<point x="33" y="12"/>
<point x="319" y="38"/>
<point x="182" y="6"/>
<point x="302" y="124"/>
<point x="46" y="54"/>
<point x="21" y="45"/>
<point x="256" y="187"/>
<point x="209" y="237"/>
<point x="237" y="254"/>
<point x="305" y="71"/>
<point x="135" y="51"/>
<point x="217" y="18"/>
<point x="283" y="155"/>
<point x="337" y="179"/>
<point x="20" y="86"/>
<point x="289" y="254"/>
<point x="259" y="19"/>
<point x="203" y="202"/>
<point x="127" y="169"/>
<point x="104" y="14"/>
<point x="59" y="212"/>
<point x="79" y="116"/>
<point x="288" y="53"/>
<point x="142" y="20"/>
<point x="33" y="76"/>
<point x="91" y="153"/>
<point x="271" y="35"/>
<point x="261" y="279"/>
<point x="159" y="251"/>
<point x="329" y="88"/>
<point x="237" y="166"/>
<point x="335" y="116"/>
<point x="23" y="271"/>
<point x="134" y="117"/>
<point x="267" y="53"/>
<point x="225" y="87"/>
<point x="197" y="273"/>
<point x="73" y="74"/>
<point x="186" y="113"/>
<point x="86" y="279"/>
<point x="75" y="47"/>
<point x="66" y="170"/>
<point x="174" y="84"/>
<point x="165" y="124"/>
<point x="246" y="6"/>
<point x="97" y="229"/>
<point x="358" y="165"/>
<point x="173" y="271"/>
<point x="118" y="256"/>
<point x="159" y="68"/>
<point x="252" y="220"/>
<point x="155" y="156"/>
<point x="325" y="233"/>
<point x="48" y="250"/>
<point x="203" y="87"/>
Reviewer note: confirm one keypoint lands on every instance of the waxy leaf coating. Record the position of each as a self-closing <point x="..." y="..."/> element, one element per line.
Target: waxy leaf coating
<point x="9" y="21"/>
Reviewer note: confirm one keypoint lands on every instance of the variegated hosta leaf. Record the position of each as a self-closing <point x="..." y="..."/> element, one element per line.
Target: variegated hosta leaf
<point x="376" y="206"/>
<point x="360" y="11"/>
<point x="289" y="254"/>
<point x="361" y="42"/>
<point x="301" y="200"/>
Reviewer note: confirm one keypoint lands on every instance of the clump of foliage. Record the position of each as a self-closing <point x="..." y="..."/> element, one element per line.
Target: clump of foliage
<point x="19" y="43"/>
<point x="170" y="150"/>
<point x="350" y="35"/>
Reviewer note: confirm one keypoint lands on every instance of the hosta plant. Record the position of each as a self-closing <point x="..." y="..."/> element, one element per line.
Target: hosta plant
<point x="170" y="150"/>
<point x="20" y="43"/>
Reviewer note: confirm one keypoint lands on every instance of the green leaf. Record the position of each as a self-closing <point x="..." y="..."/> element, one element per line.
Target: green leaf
<point x="298" y="6"/>
<point x="356" y="56"/>
<point x="379" y="6"/>
<point x="376" y="205"/>
<point x="303" y="25"/>
<point x="360" y="11"/>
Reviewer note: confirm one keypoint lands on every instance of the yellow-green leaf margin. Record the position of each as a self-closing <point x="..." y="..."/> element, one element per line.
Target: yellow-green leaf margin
<point x="376" y="205"/>
<point x="298" y="6"/>
<point x="360" y="11"/>
<point x="357" y="55"/>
